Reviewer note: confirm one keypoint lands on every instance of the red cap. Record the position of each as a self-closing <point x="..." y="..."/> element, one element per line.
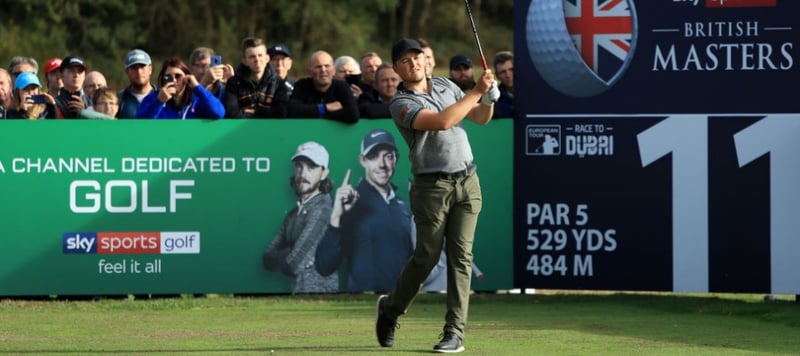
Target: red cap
<point x="51" y="65"/>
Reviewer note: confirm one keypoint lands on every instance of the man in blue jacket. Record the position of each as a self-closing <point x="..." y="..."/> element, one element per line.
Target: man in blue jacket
<point x="370" y="226"/>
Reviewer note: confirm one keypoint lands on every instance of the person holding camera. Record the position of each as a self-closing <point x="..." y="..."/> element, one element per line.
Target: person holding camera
<point x="71" y="98"/>
<point x="255" y="91"/>
<point x="28" y="102"/>
<point x="347" y="69"/>
<point x="180" y="96"/>
<point x="207" y="66"/>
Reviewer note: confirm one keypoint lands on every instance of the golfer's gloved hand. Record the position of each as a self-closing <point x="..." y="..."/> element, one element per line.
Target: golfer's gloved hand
<point x="491" y="96"/>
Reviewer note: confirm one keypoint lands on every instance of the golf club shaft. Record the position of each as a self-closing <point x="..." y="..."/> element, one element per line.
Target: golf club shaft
<point x="475" y="31"/>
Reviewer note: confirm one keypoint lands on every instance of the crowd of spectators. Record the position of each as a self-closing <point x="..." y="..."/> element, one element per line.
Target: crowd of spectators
<point x="345" y="89"/>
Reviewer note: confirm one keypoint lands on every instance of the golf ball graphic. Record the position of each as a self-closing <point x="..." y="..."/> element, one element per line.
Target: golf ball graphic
<point x="581" y="48"/>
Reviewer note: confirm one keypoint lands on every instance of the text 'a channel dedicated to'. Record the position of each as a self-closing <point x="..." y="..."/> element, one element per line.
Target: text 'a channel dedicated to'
<point x="561" y="240"/>
<point x="70" y="165"/>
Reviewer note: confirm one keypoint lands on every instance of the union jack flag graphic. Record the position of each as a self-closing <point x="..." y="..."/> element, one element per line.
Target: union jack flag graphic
<point x="602" y="31"/>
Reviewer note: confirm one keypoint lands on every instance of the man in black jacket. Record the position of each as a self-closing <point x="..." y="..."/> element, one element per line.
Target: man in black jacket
<point x="322" y="96"/>
<point x="377" y="107"/>
<point x="255" y="91"/>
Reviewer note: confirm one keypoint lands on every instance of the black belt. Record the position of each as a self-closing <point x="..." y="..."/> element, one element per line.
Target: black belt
<point x="458" y="174"/>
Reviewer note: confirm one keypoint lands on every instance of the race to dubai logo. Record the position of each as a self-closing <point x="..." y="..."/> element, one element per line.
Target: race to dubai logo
<point x="581" y="48"/>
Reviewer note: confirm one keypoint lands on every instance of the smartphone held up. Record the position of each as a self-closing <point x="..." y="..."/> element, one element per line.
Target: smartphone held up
<point x="216" y="61"/>
<point x="38" y="99"/>
<point x="353" y="79"/>
<point x="168" y="78"/>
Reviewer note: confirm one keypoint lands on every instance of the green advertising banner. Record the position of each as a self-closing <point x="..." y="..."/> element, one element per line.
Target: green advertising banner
<point x="172" y="207"/>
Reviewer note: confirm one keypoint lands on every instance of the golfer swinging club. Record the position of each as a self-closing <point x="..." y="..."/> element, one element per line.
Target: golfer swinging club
<point x="445" y="193"/>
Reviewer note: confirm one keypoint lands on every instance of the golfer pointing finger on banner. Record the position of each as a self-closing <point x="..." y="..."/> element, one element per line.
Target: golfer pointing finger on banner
<point x="346" y="196"/>
<point x="445" y="193"/>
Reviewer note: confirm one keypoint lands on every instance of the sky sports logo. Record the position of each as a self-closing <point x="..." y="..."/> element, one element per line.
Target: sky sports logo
<point x="131" y="243"/>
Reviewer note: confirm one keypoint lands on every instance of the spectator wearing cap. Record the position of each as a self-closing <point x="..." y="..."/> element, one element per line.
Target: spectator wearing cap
<point x="461" y="72"/>
<point x="180" y="96"/>
<point x="72" y="98"/>
<point x="94" y="80"/>
<point x="22" y="64"/>
<point x="369" y="236"/>
<point x="52" y="76"/>
<point x="321" y="95"/>
<point x="292" y="249"/>
<point x="280" y="59"/>
<point x="27" y="88"/>
<point x="5" y="92"/>
<point x="139" y="69"/>
<point x="255" y="91"/>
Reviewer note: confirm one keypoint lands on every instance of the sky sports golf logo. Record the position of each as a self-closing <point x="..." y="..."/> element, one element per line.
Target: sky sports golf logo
<point x="581" y="48"/>
<point x="131" y="243"/>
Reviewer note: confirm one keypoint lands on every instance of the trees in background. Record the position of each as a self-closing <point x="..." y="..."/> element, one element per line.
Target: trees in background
<point x="103" y="31"/>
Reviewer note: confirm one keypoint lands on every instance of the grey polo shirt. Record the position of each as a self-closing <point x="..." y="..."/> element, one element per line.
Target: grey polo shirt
<point x="445" y="151"/>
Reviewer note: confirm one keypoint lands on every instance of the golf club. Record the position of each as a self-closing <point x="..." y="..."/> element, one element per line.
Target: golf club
<point x="475" y="31"/>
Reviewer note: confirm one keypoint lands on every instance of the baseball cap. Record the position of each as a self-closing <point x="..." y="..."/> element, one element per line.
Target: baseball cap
<point x="375" y="138"/>
<point x="403" y="46"/>
<point x="313" y="151"/>
<point x="72" y="61"/>
<point x="459" y="60"/>
<point x="26" y="78"/>
<point x="137" y="56"/>
<point x="51" y="65"/>
<point x="279" y="49"/>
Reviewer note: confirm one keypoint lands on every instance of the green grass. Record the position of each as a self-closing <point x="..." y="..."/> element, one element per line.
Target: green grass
<point x="500" y="324"/>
